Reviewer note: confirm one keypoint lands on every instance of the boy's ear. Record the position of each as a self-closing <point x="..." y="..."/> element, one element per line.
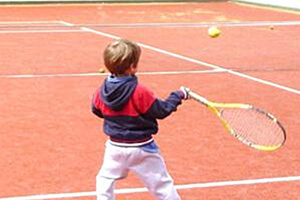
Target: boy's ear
<point x="129" y="70"/>
<point x="132" y="70"/>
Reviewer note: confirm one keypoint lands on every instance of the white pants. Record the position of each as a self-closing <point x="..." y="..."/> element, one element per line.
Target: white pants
<point x="150" y="167"/>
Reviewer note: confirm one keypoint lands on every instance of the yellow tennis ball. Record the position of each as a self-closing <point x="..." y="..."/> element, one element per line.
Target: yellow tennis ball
<point x="214" y="32"/>
<point x="101" y="70"/>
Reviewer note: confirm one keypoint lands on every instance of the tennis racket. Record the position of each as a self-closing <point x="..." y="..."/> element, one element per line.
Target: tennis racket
<point x="252" y="126"/>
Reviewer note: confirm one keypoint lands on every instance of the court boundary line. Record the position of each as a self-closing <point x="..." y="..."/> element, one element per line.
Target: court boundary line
<point x="178" y="187"/>
<point x="105" y="74"/>
<point x="212" y="66"/>
<point x="276" y="8"/>
<point x="190" y="25"/>
<point x="41" y="31"/>
<point x="30" y="22"/>
<point x="133" y="25"/>
<point x="89" y="74"/>
<point x="32" y="30"/>
<point x="49" y="24"/>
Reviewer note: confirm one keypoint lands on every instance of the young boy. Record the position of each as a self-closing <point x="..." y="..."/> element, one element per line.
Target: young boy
<point x="130" y="113"/>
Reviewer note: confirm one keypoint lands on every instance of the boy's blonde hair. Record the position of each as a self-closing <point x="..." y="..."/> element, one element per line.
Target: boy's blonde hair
<point x="120" y="55"/>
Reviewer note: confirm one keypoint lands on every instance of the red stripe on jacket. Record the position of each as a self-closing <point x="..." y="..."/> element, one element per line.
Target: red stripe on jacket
<point x="139" y="103"/>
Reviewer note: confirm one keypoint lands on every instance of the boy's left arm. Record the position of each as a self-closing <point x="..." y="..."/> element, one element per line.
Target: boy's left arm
<point x="97" y="111"/>
<point x="94" y="108"/>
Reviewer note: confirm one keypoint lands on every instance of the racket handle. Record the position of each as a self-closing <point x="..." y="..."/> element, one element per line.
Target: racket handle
<point x="196" y="96"/>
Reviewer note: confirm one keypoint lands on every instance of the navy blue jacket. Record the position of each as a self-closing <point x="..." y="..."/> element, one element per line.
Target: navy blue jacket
<point x="130" y="111"/>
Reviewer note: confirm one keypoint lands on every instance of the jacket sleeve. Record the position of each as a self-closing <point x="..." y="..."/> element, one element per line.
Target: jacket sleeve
<point x="95" y="103"/>
<point x="96" y="111"/>
<point x="160" y="109"/>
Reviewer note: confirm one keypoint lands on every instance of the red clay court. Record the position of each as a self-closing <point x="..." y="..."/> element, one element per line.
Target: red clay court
<point x="52" y="146"/>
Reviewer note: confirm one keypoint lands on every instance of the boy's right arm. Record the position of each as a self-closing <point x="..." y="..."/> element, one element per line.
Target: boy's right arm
<point x="158" y="108"/>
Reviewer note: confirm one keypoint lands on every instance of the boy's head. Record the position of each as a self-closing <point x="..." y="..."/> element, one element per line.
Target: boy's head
<point x="121" y="57"/>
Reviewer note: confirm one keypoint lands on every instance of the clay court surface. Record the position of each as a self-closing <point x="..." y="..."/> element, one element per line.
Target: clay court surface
<point x="52" y="145"/>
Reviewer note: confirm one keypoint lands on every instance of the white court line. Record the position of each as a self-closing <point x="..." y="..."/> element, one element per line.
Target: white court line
<point x="198" y="62"/>
<point x="190" y="25"/>
<point x="41" y="31"/>
<point x="178" y="187"/>
<point x="105" y="74"/>
<point x="141" y="25"/>
<point x="37" y="31"/>
<point x="66" y="23"/>
<point x="30" y="22"/>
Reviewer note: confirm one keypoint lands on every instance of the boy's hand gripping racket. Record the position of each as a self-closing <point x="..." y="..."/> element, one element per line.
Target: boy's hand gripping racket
<point x="255" y="128"/>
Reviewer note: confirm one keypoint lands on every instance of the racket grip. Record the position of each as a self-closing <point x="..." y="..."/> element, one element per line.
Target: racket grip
<point x="197" y="97"/>
<point x="185" y="91"/>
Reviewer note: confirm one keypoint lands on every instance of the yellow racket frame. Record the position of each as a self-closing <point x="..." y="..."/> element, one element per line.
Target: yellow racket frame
<point x="213" y="107"/>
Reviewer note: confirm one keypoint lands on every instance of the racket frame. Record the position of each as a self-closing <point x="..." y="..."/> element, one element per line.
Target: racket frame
<point x="213" y="107"/>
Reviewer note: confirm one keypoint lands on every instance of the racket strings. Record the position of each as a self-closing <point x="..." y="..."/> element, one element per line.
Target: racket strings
<point x="254" y="126"/>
